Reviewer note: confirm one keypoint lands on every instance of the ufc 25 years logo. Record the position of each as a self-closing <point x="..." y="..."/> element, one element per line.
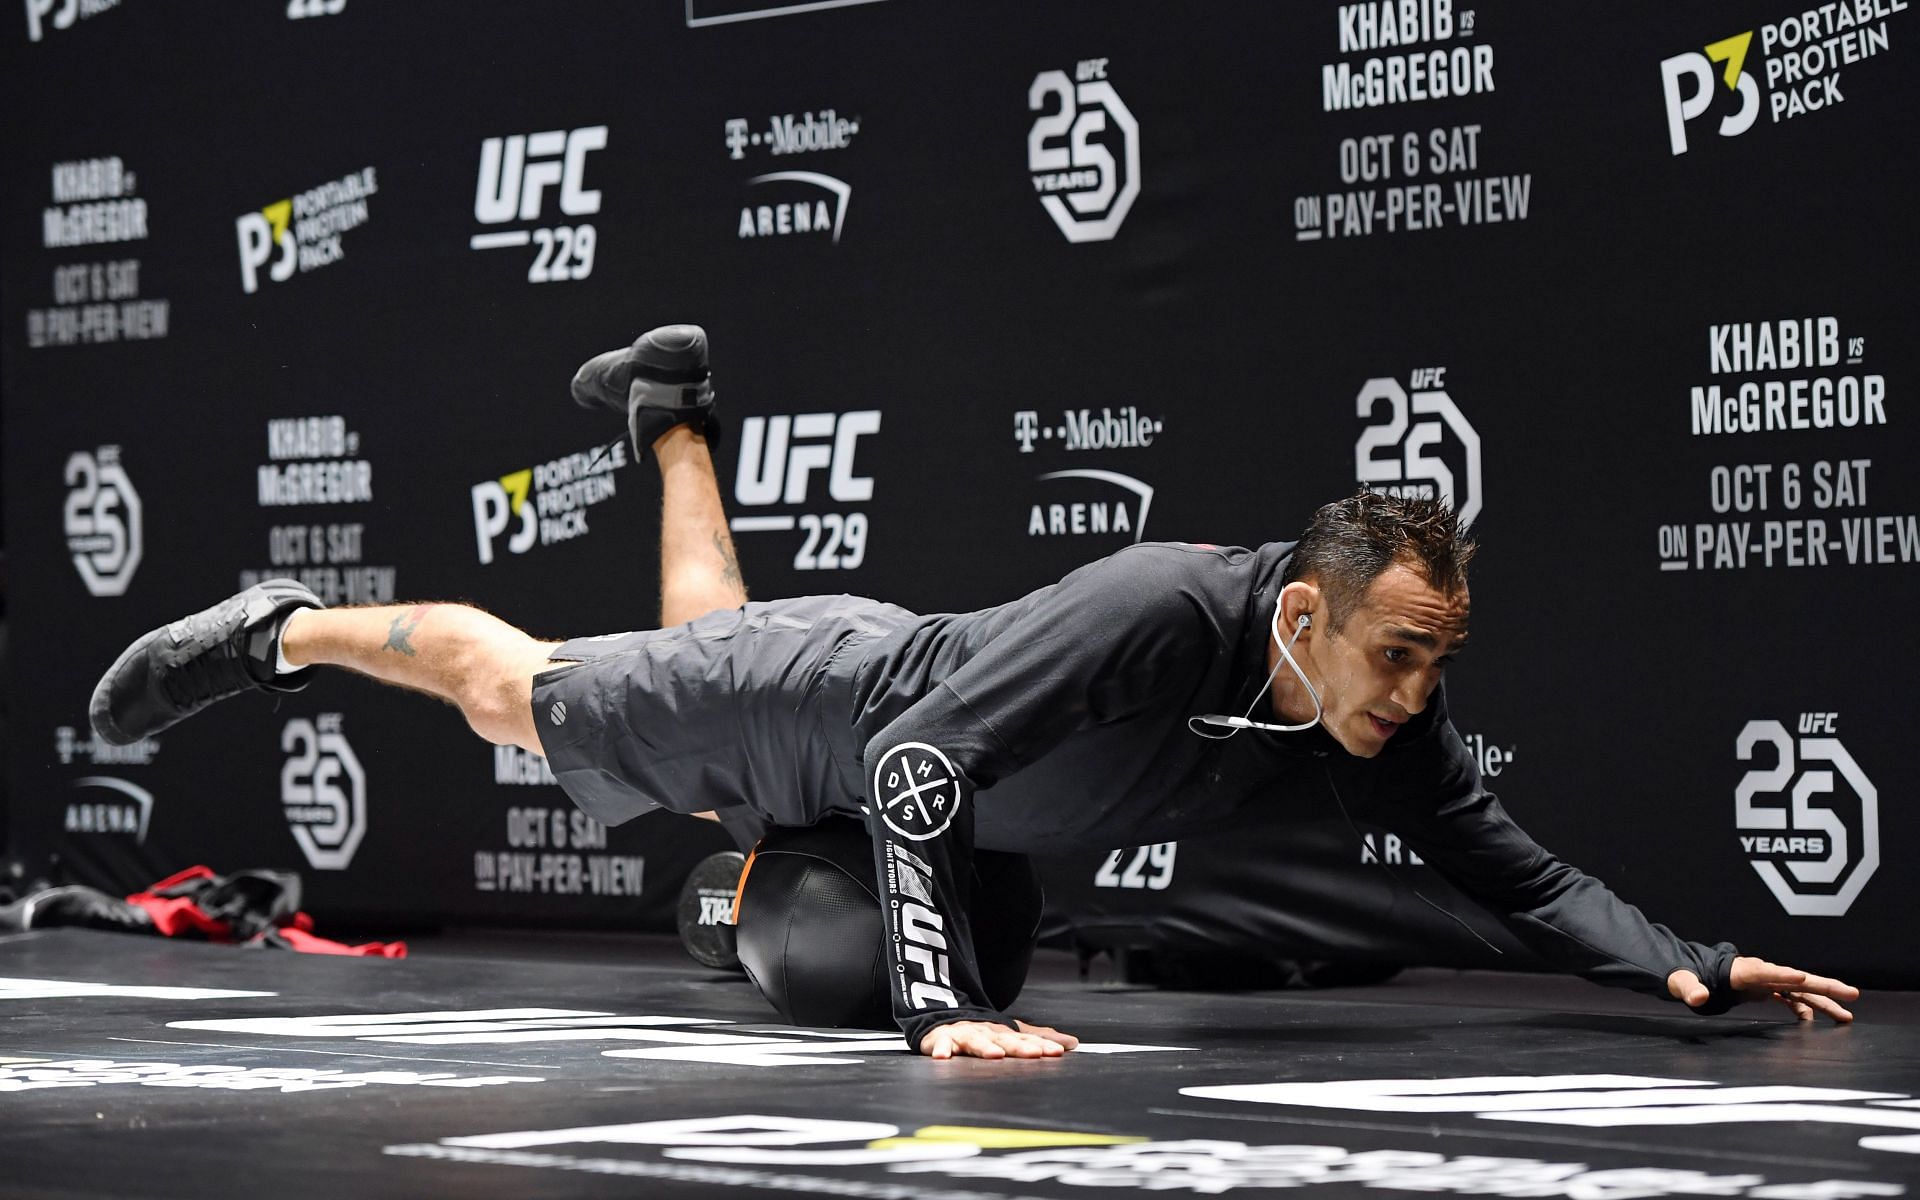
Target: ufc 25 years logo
<point x="1425" y="448"/>
<point x="515" y="173"/>
<point x="780" y="458"/>
<point x="324" y="791"/>
<point x="1783" y="829"/>
<point x="102" y="521"/>
<point x="1071" y="151"/>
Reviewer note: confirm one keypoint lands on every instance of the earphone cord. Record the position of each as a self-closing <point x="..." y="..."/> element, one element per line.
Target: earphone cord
<point x="1286" y="656"/>
<point x="1395" y="874"/>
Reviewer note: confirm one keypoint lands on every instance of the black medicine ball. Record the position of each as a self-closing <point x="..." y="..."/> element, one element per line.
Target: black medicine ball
<point x="812" y="938"/>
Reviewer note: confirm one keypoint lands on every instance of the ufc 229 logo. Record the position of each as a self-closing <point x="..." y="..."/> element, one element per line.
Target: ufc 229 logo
<point x="103" y="523"/>
<point x="1697" y="72"/>
<point x="324" y="791"/>
<point x="779" y="460"/>
<point x="1083" y="151"/>
<point x="1801" y="847"/>
<point x="1425" y="448"/>
<point x="1139" y="867"/>
<point x="515" y="173"/>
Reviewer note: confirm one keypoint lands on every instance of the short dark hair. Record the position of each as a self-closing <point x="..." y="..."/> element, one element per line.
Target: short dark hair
<point x="1350" y="542"/>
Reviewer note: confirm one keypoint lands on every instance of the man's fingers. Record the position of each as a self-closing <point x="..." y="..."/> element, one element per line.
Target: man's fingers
<point x="939" y="1044"/>
<point x="983" y="1039"/>
<point x="1816" y="1001"/>
<point x="1805" y="992"/>
<point x="1821" y="985"/>
<point x="1065" y="1041"/>
<point x="1028" y="1045"/>
<point x="1687" y="988"/>
<point x="1772" y="975"/>
<point x="981" y="1043"/>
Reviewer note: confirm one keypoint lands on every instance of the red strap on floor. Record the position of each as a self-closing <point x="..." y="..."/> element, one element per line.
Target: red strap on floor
<point x="175" y="880"/>
<point x="177" y="915"/>
<point x="306" y="943"/>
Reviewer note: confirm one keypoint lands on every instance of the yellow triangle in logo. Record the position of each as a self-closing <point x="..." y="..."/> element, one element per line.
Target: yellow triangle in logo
<point x="988" y="1138"/>
<point x="517" y="484"/>
<point x="277" y="215"/>
<point x="1734" y="51"/>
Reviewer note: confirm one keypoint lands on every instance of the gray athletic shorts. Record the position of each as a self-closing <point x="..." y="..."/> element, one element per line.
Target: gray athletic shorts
<point x="746" y="706"/>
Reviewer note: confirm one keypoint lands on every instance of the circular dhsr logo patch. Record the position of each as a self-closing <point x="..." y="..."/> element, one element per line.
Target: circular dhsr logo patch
<point x="558" y="712"/>
<point x="918" y="791"/>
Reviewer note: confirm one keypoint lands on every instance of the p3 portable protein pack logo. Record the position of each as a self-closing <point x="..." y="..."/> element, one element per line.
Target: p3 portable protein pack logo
<point x="546" y="504"/>
<point x="303" y="232"/>
<point x="1801" y="57"/>
<point x="1083" y="151"/>
<point x="1798" y="840"/>
<point x="45" y="15"/>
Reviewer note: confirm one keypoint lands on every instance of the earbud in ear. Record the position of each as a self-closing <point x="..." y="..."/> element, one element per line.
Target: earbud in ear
<point x="1305" y="622"/>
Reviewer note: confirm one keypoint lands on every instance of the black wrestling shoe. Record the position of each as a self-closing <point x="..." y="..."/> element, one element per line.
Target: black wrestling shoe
<point x="660" y="381"/>
<point x="179" y="669"/>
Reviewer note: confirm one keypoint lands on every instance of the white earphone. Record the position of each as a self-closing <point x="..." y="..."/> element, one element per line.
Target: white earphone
<point x="1234" y="725"/>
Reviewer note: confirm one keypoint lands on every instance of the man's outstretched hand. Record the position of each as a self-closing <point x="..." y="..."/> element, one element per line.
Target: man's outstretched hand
<point x="988" y="1039"/>
<point x="1756" y="978"/>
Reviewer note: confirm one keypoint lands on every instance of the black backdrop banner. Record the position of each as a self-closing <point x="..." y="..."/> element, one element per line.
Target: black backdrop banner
<point x="296" y="288"/>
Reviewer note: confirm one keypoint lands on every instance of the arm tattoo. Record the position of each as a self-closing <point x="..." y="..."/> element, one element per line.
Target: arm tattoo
<point x="403" y="625"/>
<point x="729" y="564"/>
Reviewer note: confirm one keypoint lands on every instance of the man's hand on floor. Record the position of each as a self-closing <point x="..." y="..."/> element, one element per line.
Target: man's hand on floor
<point x="988" y="1039"/>
<point x="1756" y="978"/>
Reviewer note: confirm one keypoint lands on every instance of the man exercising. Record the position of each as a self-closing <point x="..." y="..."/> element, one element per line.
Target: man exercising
<point x="1095" y="712"/>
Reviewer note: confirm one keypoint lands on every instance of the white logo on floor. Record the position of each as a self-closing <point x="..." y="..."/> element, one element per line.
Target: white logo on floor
<point x="660" y="1038"/>
<point x="724" y="1150"/>
<point x="16" y="988"/>
<point x="27" y="1075"/>
<point x="1598" y="1102"/>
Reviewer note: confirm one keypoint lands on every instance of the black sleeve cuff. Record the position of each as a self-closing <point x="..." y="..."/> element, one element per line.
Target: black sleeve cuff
<point x="918" y="1026"/>
<point x="1718" y="977"/>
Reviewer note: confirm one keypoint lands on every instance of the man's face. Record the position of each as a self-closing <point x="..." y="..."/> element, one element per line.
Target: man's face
<point x="1382" y="668"/>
